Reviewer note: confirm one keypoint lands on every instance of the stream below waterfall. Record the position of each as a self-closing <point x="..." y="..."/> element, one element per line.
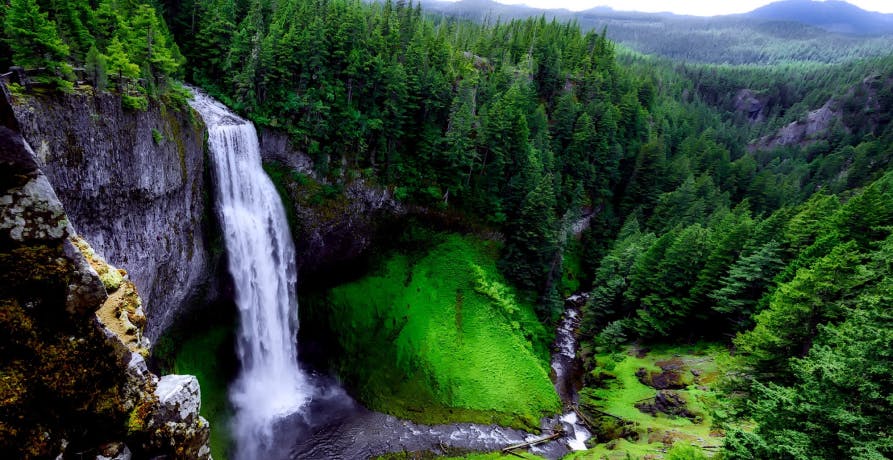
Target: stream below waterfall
<point x="335" y="426"/>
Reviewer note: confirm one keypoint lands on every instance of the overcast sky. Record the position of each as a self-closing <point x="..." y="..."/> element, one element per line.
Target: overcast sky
<point x="695" y="7"/>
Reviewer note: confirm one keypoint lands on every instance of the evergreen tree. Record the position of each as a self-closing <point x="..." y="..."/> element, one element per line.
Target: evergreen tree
<point x="119" y="64"/>
<point x="34" y="40"/>
<point x="748" y="279"/>
<point x="816" y="295"/>
<point x="97" y="69"/>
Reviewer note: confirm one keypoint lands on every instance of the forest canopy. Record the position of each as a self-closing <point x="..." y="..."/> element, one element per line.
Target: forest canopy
<point x="702" y="224"/>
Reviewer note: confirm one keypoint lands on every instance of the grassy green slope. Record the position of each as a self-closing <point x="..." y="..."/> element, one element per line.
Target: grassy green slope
<point x="439" y="337"/>
<point x="620" y="390"/>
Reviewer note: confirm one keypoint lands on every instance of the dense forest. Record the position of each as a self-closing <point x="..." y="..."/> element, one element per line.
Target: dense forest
<point x="122" y="46"/>
<point x="698" y="229"/>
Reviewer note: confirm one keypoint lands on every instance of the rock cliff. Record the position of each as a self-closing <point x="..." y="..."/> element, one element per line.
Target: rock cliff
<point x="132" y="183"/>
<point x="74" y="381"/>
<point x="332" y="224"/>
<point x="748" y="104"/>
<point x="802" y="132"/>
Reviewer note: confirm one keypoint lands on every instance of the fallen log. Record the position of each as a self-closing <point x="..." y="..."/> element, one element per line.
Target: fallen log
<point x="584" y="418"/>
<point x="535" y="442"/>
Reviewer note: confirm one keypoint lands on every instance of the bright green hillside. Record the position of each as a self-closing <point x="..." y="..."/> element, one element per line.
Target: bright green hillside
<point x="441" y="337"/>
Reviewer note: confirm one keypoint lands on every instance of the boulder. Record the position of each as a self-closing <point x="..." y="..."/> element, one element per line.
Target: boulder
<point x="179" y="398"/>
<point x="114" y="451"/>
<point x="667" y="402"/>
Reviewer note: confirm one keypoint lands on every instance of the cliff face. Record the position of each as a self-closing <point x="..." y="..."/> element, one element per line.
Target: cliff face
<point x="74" y="381"/>
<point x="802" y="132"/>
<point x="332" y="225"/>
<point x="132" y="184"/>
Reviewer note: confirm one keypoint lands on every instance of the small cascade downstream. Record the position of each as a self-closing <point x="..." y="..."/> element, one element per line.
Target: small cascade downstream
<point x="567" y="368"/>
<point x="262" y="263"/>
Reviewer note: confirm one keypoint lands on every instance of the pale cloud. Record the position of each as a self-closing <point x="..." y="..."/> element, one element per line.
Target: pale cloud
<point x="693" y="7"/>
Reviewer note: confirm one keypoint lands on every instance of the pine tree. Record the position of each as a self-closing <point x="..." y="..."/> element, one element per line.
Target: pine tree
<point x="119" y="63"/>
<point x="816" y="295"/>
<point x="531" y="230"/>
<point x="34" y="40"/>
<point x="97" y="69"/>
<point x="148" y="45"/>
<point x="747" y="281"/>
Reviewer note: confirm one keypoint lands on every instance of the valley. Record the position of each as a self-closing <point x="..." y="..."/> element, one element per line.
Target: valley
<point x="392" y="230"/>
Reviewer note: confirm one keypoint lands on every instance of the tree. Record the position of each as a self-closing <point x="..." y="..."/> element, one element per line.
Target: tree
<point x="460" y="151"/>
<point x="729" y="232"/>
<point x="532" y="230"/>
<point x="149" y="47"/>
<point x="119" y="62"/>
<point x="817" y="294"/>
<point x="840" y="404"/>
<point x="34" y="40"/>
<point x="97" y="69"/>
<point x="748" y="279"/>
<point x="646" y="181"/>
<point x="663" y="293"/>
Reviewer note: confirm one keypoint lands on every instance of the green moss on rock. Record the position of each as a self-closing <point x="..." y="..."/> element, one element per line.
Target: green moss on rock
<point x="440" y="337"/>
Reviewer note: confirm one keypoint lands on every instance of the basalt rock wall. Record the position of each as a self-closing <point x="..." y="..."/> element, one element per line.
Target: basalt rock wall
<point x="132" y="183"/>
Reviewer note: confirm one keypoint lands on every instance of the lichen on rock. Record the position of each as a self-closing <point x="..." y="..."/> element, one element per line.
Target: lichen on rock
<point x="122" y="312"/>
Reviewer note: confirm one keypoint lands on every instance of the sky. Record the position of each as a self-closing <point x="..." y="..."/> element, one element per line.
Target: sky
<point x="693" y="7"/>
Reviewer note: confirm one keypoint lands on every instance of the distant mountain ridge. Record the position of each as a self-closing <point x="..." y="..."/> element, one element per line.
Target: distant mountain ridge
<point x="832" y="15"/>
<point x="785" y="31"/>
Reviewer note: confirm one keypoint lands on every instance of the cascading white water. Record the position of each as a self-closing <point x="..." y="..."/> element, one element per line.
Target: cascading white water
<point x="262" y="263"/>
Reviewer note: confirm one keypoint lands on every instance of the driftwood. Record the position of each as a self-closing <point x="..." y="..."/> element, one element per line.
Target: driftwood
<point x="509" y="449"/>
<point x="584" y="418"/>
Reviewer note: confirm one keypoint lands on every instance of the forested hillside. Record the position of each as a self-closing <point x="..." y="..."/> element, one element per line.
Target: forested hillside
<point x="122" y="46"/>
<point x="702" y="224"/>
<point x="520" y="125"/>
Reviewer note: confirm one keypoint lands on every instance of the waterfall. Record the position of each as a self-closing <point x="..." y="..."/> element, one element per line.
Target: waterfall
<point x="262" y="263"/>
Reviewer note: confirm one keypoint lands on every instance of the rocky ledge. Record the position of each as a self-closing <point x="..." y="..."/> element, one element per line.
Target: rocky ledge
<point x="332" y="224"/>
<point x="74" y="380"/>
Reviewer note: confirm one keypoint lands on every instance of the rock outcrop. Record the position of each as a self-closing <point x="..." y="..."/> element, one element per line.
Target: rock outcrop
<point x="74" y="381"/>
<point x="802" y="132"/>
<point x="133" y="185"/>
<point x="331" y="224"/>
<point x="747" y="103"/>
